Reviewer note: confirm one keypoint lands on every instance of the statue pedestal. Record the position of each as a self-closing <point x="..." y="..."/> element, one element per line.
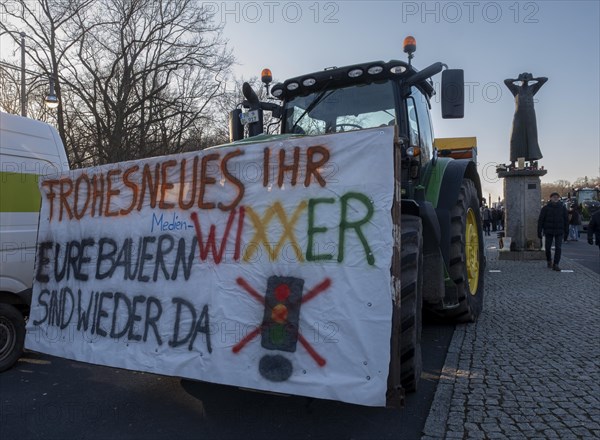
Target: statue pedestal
<point x="522" y="200"/>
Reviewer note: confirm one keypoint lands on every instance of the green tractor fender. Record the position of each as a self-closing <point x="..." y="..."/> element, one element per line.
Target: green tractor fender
<point x="443" y="181"/>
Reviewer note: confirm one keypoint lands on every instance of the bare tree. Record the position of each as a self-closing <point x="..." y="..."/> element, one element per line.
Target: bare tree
<point x="9" y="90"/>
<point x="135" y="77"/>
<point x="560" y="186"/>
<point x="215" y="127"/>
<point x="47" y="43"/>
<point x="147" y="71"/>
<point x="586" y="182"/>
<point x="37" y="89"/>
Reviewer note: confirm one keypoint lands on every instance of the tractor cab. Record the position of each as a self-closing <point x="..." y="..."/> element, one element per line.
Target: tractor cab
<point x="356" y="97"/>
<point x="588" y="201"/>
<point x="346" y="108"/>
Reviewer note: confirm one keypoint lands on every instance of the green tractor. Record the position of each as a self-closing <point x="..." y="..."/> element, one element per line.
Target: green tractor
<point x="439" y="259"/>
<point x="588" y="202"/>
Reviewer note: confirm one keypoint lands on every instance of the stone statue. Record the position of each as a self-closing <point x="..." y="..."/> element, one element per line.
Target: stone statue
<point x="524" y="139"/>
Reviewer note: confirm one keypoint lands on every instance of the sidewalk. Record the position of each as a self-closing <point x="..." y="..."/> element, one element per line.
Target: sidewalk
<point x="530" y="367"/>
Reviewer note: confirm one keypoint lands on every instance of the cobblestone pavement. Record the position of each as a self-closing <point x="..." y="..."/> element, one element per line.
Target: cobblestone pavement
<point x="530" y="367"/>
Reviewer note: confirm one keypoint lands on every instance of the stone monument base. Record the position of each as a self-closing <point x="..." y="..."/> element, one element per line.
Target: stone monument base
<point x="521" y="255"/>
<point x="522" y="204"/>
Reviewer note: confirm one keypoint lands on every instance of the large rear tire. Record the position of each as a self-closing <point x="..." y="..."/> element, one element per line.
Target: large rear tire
<point x="411" y="282"/>
<point x="466" y="258"/>
<point x="12" y="335"/>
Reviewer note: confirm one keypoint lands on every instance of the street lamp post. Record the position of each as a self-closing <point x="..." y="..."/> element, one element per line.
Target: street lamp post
<point x="23" y="103"/>
<point x="51" y="101"/>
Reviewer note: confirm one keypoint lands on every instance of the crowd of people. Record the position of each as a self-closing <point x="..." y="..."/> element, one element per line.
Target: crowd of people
<point x="557" y="223"/>
<point x="493" y="219"/>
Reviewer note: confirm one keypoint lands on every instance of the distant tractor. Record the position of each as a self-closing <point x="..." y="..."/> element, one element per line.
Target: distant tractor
<point x="588" y="201"/>
<point x="440" y="252"/>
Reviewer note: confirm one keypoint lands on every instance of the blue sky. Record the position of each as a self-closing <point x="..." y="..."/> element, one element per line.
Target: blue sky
<point x="491" y="41"/>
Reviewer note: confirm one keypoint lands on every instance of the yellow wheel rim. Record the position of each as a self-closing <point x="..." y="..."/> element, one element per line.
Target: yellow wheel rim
<point x="472" y="251"/>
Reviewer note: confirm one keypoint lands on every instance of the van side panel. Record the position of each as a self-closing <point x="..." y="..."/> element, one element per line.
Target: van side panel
<point x="19" y="213"/>
<point x="19" y="192"/>
<point x="29" y="149"/>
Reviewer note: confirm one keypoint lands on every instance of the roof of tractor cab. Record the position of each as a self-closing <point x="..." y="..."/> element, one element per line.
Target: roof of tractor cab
<point x="363" y="73"/>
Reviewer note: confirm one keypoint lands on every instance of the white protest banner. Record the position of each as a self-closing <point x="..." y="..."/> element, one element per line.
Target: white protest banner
<point x="260" y="265"/>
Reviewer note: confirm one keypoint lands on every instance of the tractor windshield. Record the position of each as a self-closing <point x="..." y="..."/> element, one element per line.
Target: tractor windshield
<point x="342" y="109"/>
<point x="587" y="194"/>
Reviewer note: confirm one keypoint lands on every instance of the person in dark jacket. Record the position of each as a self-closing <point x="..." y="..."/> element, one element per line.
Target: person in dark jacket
<point x="554" y="224"/>
<point x="574" y="222"/>
<point x="594" y="228"/>
<point x="494" y="220"/>
<point x="486" y="215"/>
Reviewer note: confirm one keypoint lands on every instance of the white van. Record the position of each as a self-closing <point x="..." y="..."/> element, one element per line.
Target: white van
<point x="28" y="149"/>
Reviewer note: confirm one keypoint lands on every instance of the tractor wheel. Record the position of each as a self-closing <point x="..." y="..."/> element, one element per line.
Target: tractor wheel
<point x="411" y="282"/>
<point x="466" y="258"/>
<point x="12" y="335"/>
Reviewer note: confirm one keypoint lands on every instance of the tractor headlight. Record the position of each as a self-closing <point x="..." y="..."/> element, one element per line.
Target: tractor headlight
<point x="374" y="70"/>
<point x="355" y="73"/>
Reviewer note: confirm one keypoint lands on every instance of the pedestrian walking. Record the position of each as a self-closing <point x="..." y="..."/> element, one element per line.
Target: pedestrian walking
<point x="553" y="222"/>
<point x="594" y="229"/>
<point x="487" y="219"/>
<point x="574" y="222"/>
<point x="494" y="219"/>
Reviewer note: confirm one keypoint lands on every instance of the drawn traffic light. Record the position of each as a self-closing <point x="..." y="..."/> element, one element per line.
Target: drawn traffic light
<point x="282" y="313"/>
<point x="279" y="329"/>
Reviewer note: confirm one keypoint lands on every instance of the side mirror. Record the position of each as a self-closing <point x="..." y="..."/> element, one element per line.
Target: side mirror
<point x="255" y="122"/>
<point x="453" y="94"/>
<point x="236" y="129"/>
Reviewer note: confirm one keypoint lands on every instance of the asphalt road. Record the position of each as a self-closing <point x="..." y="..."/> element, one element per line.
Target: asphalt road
<point x="45" y="397"/>
<point x="583" y="253"/>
